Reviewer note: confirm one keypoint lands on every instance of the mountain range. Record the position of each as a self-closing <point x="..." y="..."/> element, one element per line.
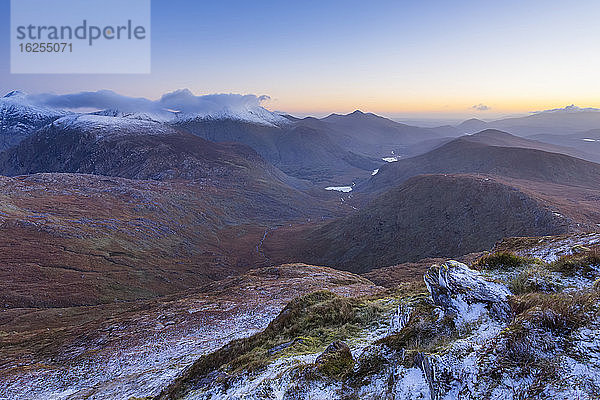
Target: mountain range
<point x="164" y="244"/>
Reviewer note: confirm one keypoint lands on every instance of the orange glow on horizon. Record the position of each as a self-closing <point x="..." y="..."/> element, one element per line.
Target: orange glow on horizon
<point x="423" y="107"/>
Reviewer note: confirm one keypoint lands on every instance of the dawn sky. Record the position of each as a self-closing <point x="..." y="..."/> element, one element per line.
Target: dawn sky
<point x="397" y="58"/>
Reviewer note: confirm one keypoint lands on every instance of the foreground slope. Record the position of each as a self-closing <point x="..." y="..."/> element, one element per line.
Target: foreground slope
<point x="505" y="327"/>
<point x="120" y="350"/>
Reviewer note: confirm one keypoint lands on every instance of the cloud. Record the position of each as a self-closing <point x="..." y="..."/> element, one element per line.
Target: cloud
<point x="180" y="100"/>
<point x="481" y="107"/>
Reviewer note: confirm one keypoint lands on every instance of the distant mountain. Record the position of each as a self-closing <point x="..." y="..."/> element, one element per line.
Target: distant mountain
<point x="494" y="137"/>
<point x="19" y="118"/>
<point x="137" y="149"/>
<point x="561" y="121"/>
<point x="427" y="216"/>
<point x="338" y="149"/>
<point x="376" y="136"/>
<point x="22" y="114"/>
<point x="483" y="154"/>
<point x="299" y="151"/>
<point x="587" y="142"/>
<point x="472" y="125"/>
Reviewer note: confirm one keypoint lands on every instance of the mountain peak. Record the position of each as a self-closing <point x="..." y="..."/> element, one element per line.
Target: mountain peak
<point x="15" y="94"/>
<point x="568" y="109"/>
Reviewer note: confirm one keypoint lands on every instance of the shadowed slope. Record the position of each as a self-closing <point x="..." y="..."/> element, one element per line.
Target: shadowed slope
<point x="428" y="216"/>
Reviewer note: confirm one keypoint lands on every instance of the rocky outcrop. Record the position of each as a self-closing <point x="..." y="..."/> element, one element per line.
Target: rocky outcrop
<point x="460" y="291"/>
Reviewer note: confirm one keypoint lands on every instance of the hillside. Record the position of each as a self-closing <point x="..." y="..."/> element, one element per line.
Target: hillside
<point x="493" y="137"/>
<point x="299" y="151"/>
<point x="371" y="134"/>
<point x="587" y="142"/>
<point x="135" y="149"/>
<point x="485" y="155"/>
<point x="72" y="239"/>
<point x="124" y="349"/>
<point x="337" y="149"/>
<point x="427" y="216"/>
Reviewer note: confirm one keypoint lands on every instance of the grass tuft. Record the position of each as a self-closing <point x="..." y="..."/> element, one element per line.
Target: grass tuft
<point x="502" y="261"/>
<point x="585" y="262"/>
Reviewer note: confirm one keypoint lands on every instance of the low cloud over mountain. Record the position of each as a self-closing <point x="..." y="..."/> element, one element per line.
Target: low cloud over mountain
<point x="180" y="101"/>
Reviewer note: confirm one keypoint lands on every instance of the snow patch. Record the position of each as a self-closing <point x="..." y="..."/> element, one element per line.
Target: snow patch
<point x="344" y="189"/>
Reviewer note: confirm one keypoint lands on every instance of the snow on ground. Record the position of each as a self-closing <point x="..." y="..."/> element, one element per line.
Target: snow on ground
<point x="137" y="371"/>
<point x="344" y="189"/>
<point x="106" y="127"/>
<point x="551" y="248"/>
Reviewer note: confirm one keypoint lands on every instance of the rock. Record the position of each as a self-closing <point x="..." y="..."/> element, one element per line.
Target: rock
<point x="284" y="346"/>
<point x="400" y="319"/>
<point x="425" y="363"/>
<point x="461" y="292"/>
<point x="336" y="361"/>
<point x="579" y="249"/>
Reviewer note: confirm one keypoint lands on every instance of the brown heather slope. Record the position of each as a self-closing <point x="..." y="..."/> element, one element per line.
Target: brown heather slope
<point x="70" y="239"/>
<point x="431" y="216"/>
<point x="473" y="155"/>
<point x="192" y="211"/>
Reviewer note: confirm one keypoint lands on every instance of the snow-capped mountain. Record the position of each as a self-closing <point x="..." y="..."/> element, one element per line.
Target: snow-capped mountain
<point x="250" y="114"/>
<point x="22" y="114"/>
<point x="186" y="106"/>
<point x="165" y="116"/>
<point x="19" y="118"/>
<point x="569" y="109"/>
<point x="101" y="126"/>
<point x="255" y="115"/>
<point x="177" y="106"/>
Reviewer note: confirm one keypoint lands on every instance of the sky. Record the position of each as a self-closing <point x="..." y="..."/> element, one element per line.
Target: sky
<point x="404" y="59"/>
